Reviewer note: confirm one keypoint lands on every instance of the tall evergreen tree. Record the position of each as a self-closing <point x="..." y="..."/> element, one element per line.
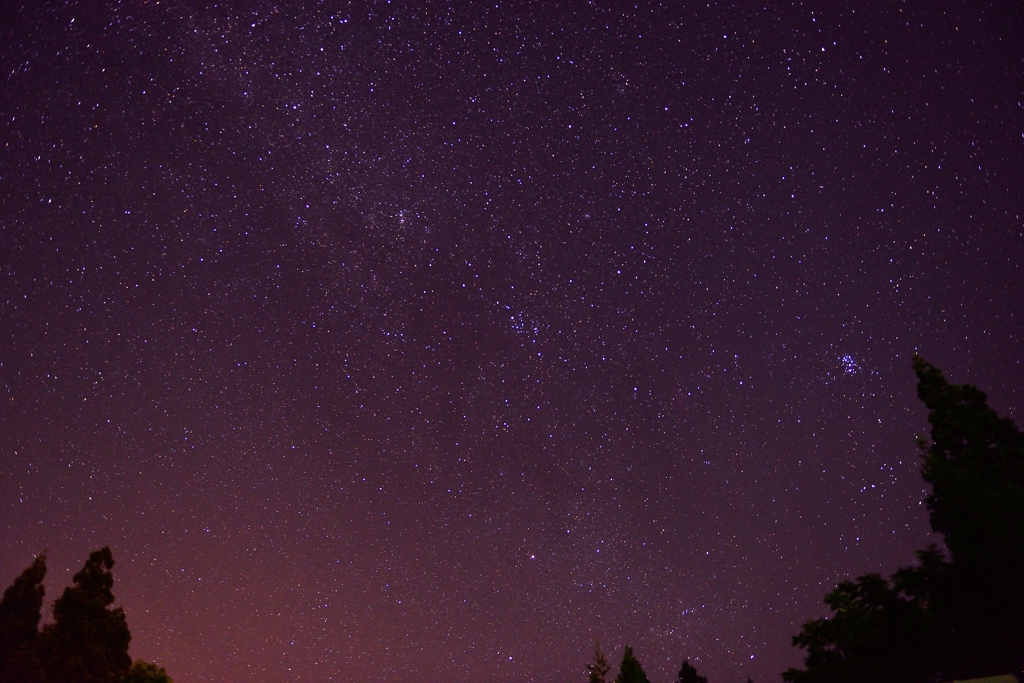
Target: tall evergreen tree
<point x="939" y="619"/>
<point x="88" y="640"/>
<point x="630" y="670"/>
<point x="597" y="671"/>
<point x="975" y="465"/>
<point x="20" y="611"/>
<point x="688" y="674"/>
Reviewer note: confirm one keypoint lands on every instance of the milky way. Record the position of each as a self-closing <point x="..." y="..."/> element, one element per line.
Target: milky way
<point x="430" y="341"/>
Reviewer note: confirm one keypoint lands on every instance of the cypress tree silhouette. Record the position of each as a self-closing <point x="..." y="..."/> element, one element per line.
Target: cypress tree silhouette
<point x="597" y="671"/>
<point x="630" y="670"/>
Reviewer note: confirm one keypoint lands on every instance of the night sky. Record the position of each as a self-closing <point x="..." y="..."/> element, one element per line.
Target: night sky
<point x="426" y="341"/>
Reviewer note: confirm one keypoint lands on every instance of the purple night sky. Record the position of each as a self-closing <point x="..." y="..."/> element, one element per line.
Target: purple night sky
<point x="425" y="341"/>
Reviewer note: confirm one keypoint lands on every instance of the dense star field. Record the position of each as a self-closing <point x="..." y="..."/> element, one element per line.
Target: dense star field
<point x="420" y="341"/>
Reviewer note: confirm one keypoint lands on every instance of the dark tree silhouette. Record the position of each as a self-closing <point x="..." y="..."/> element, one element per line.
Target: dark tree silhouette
<point x="86" y="643"/>
<point x="88" y="640"/>
<point x="975" y="465"/>
<point x="630" y="670"/>
<point x="144" y="672"/>
<point x="939" y="619"/>
<point x="20" y="611"/>
<point x="879" y="629"/>
<point x="688" y="674"/>
<point x="597" y="670"/>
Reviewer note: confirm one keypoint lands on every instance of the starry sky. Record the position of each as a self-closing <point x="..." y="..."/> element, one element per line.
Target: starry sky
<point x="419" y="341"/>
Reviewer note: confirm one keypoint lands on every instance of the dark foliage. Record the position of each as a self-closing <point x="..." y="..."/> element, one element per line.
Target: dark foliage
<point x="880" y="629"/>
<point x="975" y="464"/>
<point x="20" y="611"/>
<point x="688" y="674"/>
<point x="87" y="641"/>
<point x="940" y="619"/>
<point x="597" y="671"/>
<point x="144" y="672"/>
<point x="630" y="670"/>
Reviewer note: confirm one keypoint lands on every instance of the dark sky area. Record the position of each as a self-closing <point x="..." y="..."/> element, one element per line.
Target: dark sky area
<point x="420" y="341"/>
